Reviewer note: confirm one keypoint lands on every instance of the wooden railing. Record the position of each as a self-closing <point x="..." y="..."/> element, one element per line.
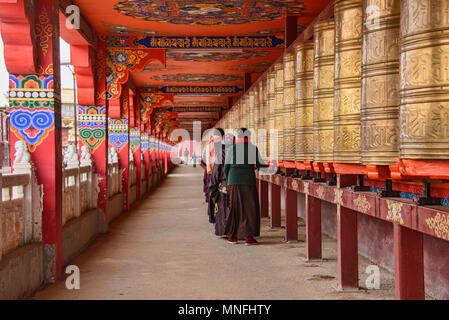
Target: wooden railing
<point x="132" y="174"/>
<point x="115" y="179"/>
<point x="15" y="220"/>
<point x="78" y="192"/>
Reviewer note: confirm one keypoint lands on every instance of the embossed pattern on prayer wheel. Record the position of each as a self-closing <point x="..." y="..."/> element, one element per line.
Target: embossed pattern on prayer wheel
<point x="263" y="114"/>
<point x="323" y="92"/>
<point x="272" y="151"/>
<point x="279" y="107"/>
<point x="239" y="120"/>
<point x="289" y="107"/>
<point x="424" y="48"/>
<point x="250" y="110"/>
<point x="304" y="101"/>
<point x="348" y="72"/>
<point x="380" y="82"/>
<point x="256" y="112"/>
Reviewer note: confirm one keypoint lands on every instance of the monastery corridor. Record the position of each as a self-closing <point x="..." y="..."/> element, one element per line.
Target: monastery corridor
<point x="165" y="248"/>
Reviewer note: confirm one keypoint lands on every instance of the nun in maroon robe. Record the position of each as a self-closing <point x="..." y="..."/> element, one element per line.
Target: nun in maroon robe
<point x="218" y="186"/>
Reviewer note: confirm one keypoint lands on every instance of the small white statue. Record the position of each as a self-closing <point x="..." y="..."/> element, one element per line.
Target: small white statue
<point x="112" y="156"/>
<point x="22" y="161"/>
<point x="22" y="156"/>
<point x="86" y="158"/>
<point x="71" y="156"/>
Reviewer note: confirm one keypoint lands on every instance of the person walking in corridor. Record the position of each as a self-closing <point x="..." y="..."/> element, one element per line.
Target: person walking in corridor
<point x="244" y="212"/>
<point x="217" y="185"/>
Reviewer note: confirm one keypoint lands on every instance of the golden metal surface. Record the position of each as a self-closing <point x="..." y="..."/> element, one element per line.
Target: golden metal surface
<point x="304" y="101"/>
<point x="271" y="150"/>
<point x="263" y="113"/>
<point x="323" y="91"/>
<point x="279" y="107"/>
<point x="380" y="82"/>
<point x="289" y="106"/>
<point x="347" y="99"/>
<point x="256" y="113"/>
<point x="424" y="83"/>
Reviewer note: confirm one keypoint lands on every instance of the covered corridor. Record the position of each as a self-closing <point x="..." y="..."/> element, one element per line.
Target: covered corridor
<point x="164" y="248"/>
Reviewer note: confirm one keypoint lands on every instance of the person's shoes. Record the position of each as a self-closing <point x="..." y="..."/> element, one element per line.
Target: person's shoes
<point x="250" y="241"/>
<point x="232" y="240"/>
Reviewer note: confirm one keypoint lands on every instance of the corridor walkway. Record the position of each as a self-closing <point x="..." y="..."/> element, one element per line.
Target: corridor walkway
<point x="165" y="249"/>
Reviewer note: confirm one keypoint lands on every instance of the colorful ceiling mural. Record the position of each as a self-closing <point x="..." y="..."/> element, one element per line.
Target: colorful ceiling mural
<point x="209" y="12"/>
<point x="189" y="57"/>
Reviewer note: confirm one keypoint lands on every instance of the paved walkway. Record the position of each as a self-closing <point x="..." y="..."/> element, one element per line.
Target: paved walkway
<point x="165" y="249"/>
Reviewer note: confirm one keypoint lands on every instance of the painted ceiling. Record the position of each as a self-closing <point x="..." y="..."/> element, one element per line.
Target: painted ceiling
<point x="207" y="43"/>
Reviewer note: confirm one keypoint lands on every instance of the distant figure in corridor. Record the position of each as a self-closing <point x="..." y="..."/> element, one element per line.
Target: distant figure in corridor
<point x="194" y="160"/>
<point x="186" y="157"/>
<point x="217" y="185"/>
<point x="244" y="214"/>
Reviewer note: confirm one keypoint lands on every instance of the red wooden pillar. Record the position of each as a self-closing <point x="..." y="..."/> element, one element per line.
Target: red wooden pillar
<point x="146" y="158"/>
<point x="291" y="216"/>
<point x="93" y="115"/>
<point x="136" y="151"/>
<point x="348" y="266"/>
<point x="165" y="153"/>
<point x="275" y="205"/>
<point x="313" y="228"/>
<point x="409" y="263"/>
<point x="35" y="109"/>
<point x="263" y="199"/>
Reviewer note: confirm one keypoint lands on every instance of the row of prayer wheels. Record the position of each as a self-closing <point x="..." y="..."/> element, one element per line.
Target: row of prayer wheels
<point x="371" y="87"/>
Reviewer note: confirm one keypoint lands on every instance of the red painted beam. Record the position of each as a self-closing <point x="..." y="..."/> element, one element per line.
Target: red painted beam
<point x="17" y="28"/>
<point x="291" y="30"/>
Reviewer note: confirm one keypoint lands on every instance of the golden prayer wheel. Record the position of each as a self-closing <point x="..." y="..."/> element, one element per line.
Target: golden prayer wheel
<point x="279" y="107"/>
<point x="380" y="82"/>
<point x="272" y="140"/>
<point x="250" y="110"/>
<point x="304" y="101"/>
<point x="263" y="116"/>
<point x="238" y="116"/>
<point x="256" y="113"/>
<point x="289" y="107"/>
<point x="323" y="92"/>
<point x="424" y="111"/>
<point x="246" y="110"/>
<point x="348" y="72"/>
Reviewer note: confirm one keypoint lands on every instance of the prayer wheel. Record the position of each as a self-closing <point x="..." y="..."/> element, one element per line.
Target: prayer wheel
<point x="323" y="91"/>
<point x="238" y="115"/>
<point x="271" y="133"/>
<point x="304" y="101"/>
<point x="246" y="111"/>
<point x="289" y="102"/>
<point x="424" y="49"/>
<point x="263" y="114"/>
<point x="348" y="72"/>
<point x="250" y="110"/>
<point x="256" y="112"/>
<point x="380" y="82"/>
<point x="279" y="108"/>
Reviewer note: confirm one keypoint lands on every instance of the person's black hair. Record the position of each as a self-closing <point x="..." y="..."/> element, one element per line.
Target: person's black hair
<point x="243" y="133"/>
<point x="221" y="131"/>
